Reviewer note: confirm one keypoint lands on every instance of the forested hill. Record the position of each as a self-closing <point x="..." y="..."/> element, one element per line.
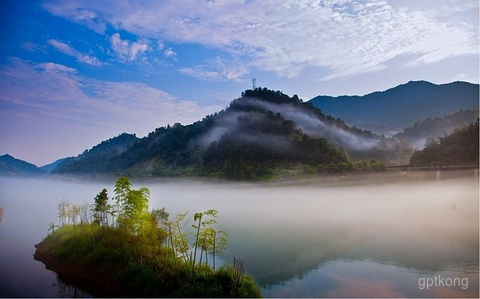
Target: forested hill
<point x="12" y="167"/>
<point x="421" y="131"/>
<point x="97" y="159"/>
<point x="459" y="147"/>
<point x="393" y="110"/>
<point x="259" y="134"/>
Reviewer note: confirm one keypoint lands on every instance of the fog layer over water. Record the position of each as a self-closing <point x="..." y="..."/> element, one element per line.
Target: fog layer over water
<point x="295" y="240"/>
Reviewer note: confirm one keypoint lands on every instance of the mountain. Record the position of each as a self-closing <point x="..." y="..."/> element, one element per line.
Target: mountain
<point x="262" y="133"/>
<point x="9" y="166"/>
<point x="459" y="147"/>
<point x="423" y="130"/>
<point x="97" y="159"/>
<point x="51" y="166"/>
<point x="390" y="111"/>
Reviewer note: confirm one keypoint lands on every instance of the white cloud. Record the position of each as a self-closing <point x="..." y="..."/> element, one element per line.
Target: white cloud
<point x="169" y="53"/>
<point x="58" y="92"/>
<point x="68" y="50"/>
<point x="345" y="37"/>
<point x="217" y="70"/>
<point x="127" y="50"/>
<point x="160" y="45"/>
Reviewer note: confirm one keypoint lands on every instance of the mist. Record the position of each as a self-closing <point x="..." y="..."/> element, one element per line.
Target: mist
<point x="303" y="119"/>
<point x="235" y="123"/>
<point x="418" y="222"/>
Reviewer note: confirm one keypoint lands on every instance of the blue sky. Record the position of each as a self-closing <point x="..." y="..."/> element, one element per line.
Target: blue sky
<point x="74" y="73"/>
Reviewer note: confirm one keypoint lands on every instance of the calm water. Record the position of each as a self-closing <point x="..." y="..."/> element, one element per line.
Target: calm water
<point x="296" y="241"/>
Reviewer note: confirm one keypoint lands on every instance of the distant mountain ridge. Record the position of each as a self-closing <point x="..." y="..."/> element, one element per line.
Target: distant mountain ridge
<point x="53" y="165"/>
<point x="96" y="159"/>
<point x="259" y="134"/>
<point x="12" y="167"/>
<point x="392" y="110"/>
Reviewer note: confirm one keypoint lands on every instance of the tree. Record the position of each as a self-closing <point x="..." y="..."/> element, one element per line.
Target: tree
<point x="51" y="228"/>
<point x="198" y="217"/>
<point x="63" y="214"/>
<point x="131" y="205"/>
<point x="158" y="218"/>
<point x="121" y="190"/>
<point x="180" y="237"/>
<point x="101" y="208"/>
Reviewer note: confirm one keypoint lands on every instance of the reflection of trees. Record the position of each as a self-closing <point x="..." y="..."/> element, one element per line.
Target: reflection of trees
<point x="272" y="256"/>
<point x="67" y="290"/>
<point x="1" y="213"/>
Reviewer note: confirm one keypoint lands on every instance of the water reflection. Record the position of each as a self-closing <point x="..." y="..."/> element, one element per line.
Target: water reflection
<point x="300" y="241"/>
<point x="68" y="290"/>
<point x="369" y="279"/>
<point x="286" y="234"/>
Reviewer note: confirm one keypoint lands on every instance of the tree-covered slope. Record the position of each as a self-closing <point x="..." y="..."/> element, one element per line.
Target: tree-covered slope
<point x="259" y="134"/>
<point x="421" y="131"/>
<point x="459" y="147"/>
<point x="97" y="159"/>
<point x="400" y="107"/>
<point x="9" y="166"/>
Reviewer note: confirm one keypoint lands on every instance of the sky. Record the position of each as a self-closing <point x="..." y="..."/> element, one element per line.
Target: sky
<point x="75" y="73"/>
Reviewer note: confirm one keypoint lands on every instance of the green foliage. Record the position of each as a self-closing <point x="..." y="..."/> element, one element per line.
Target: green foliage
<point x="459" y="147"/>
<point x="258" y="144"/>
<point x="277" y="97"/>
<point x="276" y="143"/>
<point x="101" y="208"/>
<point x="131" y="205"/>
<point x="200" y="227"/>
<point x="147" y="253"/>
<point x="143" y="269"/>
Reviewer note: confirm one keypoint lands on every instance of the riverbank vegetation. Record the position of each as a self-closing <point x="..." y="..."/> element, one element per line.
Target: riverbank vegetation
<point x="143" y="253"/>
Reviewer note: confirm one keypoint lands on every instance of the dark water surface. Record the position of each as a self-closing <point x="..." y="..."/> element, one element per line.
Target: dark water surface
<point x="296" y="241"/>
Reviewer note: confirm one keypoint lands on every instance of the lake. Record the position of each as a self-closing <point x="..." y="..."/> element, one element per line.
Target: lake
<point x="414" y="238"/>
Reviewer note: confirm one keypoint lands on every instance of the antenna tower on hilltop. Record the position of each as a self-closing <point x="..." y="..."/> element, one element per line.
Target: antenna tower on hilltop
<point x="254" y="83"/>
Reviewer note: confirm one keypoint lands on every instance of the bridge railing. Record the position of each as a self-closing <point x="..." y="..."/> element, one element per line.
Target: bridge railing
<point x="437" y="166"/>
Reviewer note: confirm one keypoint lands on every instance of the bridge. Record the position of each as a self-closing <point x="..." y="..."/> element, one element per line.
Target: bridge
<point x="436" y="166"/>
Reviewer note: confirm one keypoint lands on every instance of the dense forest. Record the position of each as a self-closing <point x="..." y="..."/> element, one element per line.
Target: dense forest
<point x="422" y="130"/>
<point x="459" y="147"/>
<point x="262" y="134"/>
<point x="121" y="249"/>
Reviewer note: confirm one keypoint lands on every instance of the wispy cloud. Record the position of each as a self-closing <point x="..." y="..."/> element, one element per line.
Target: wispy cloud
<point x="88" y="17"/>
<point x="31" y="46"/>
<point x="127" y="50"/>
<point x="68" y="50"/>
<point x="169" y="53"/>
<point x="217" y="70"/>
<point x="55" y="91"/>
<point x="344" y="37"/>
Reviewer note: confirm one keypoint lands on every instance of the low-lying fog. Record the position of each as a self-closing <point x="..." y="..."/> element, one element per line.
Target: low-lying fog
<point x="295" y="240"/>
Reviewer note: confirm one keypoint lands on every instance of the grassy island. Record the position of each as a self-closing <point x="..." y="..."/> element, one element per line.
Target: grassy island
<point x="124" y="250"/>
